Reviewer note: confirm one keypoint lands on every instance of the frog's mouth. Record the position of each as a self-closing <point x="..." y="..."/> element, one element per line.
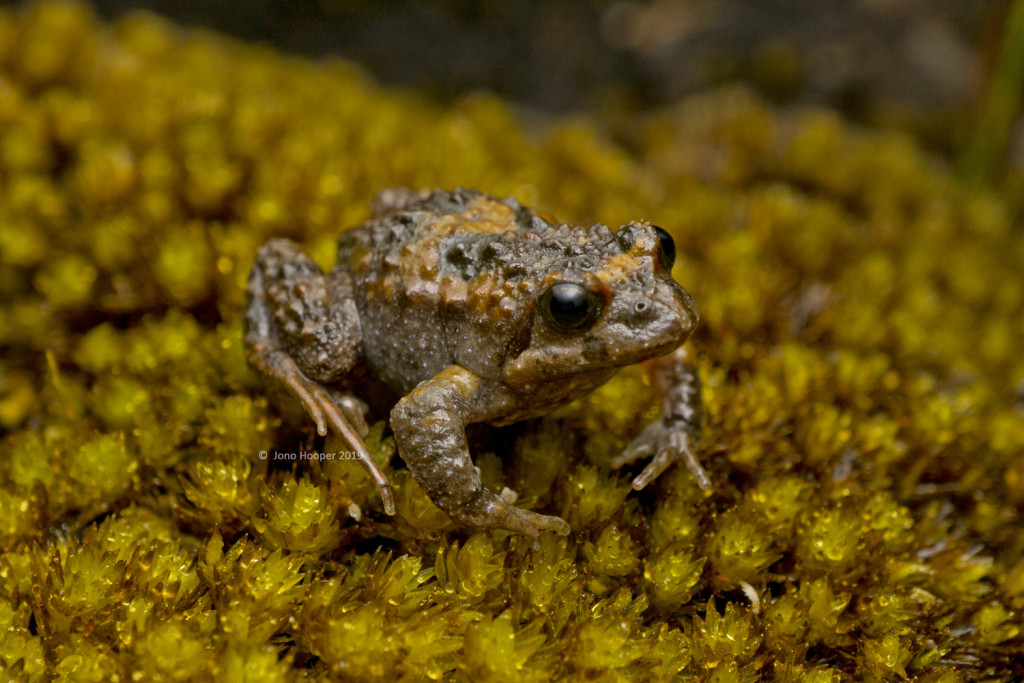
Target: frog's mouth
<point x="634" y="329"/>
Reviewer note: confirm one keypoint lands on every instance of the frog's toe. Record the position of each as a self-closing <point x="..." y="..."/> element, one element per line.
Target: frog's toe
<point x="642" y="446"/>
<point x="310" y="398"/>
<point x="538" y="523"/>
<point x="498" y="513"/>
<point x="667" y="443"/>
<point x="550" y="523"/>
<point x="654" y="468"/>
<point x="531" y="524"/>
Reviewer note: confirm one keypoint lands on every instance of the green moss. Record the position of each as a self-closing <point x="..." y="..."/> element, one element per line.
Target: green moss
<point x="859" y="348"/>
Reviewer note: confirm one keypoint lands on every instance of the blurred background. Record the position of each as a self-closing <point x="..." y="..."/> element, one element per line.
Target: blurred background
<point x="922" y="65"/>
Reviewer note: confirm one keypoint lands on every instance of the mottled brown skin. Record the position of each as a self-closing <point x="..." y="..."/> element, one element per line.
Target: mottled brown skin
<point x="474" y="309"/>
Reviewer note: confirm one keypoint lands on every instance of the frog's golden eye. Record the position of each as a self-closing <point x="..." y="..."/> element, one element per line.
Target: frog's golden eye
<point x="668" y="247"/>
<point x="571" y="306"/>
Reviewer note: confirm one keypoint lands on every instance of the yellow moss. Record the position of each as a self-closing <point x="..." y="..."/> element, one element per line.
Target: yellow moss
<point x="592" y="497"/>
<point x="237" y="425"/>
<point x="546" y="582"/>
<point x="172" y="650"/>
<point x="182" y="264"/>
<point x="612" y="553"/>
<point x="613" y="637"/>
<point x="739" y="548"/>
<point x="471" y="571"/>
<point x="221" y="492"/>
<point x="498" y="651"/>
<point x="884" y="657"/>
<point x="22" y="654"/>
<point x="83" y="659"/>
<point x="299" y="516"/>
<point x="859" y="347"/>
<point x="724" y="640"/>
<point x="671" y="576"/>
<point x="103" y="467"/>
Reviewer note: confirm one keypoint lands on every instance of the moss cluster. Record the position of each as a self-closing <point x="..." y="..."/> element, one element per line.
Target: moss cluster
<point x="861" y="336"/>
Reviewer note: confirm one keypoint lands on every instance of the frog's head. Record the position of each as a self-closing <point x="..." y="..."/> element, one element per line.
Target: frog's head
<point x="609" y="307"/>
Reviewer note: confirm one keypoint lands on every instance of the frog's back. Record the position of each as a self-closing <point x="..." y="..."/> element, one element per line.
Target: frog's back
<point x="411" y="267"/>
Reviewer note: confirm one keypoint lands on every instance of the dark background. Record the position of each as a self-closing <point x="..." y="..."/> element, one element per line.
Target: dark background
<point x="918" y="63"/>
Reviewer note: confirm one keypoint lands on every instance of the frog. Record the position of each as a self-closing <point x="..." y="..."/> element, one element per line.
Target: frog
<point x="472" y="309"/>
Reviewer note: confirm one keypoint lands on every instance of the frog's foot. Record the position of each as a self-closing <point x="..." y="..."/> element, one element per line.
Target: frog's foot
<point x="668" y="441"/>
<point x="320" y="405"/>
<point x="489" y="511"/>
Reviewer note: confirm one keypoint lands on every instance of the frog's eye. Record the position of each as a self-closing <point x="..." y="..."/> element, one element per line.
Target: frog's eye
<point x="571" y="306"/>
<point x="668" y="247"/>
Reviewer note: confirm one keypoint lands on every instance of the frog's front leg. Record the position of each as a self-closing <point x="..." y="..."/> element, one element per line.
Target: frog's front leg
<point x="430" y="429"/>
<point x="302" y="329"/>
<point x="676" y="435"/>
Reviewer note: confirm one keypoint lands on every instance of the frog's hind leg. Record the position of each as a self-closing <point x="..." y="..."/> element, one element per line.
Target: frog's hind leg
<point x="302" y="328"/>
